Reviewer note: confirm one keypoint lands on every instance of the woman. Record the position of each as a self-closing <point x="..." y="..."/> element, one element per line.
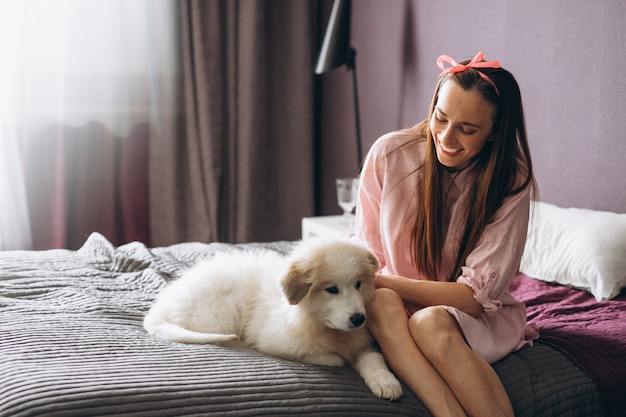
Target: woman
<point x="445" y="206"/>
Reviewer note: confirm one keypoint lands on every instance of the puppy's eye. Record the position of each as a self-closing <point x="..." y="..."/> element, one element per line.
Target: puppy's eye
<point x="358" y="285"/>
<point x="332" y="290"/>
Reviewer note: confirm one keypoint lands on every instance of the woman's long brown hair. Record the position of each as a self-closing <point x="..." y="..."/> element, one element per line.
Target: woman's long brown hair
<point x="497" y="169"/>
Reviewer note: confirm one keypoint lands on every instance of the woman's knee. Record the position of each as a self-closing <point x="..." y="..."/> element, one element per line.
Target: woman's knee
<point x="435" y="330"/>
<point x="385" y="305"/>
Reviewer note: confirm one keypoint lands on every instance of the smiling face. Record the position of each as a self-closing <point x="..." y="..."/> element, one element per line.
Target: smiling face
<point x="461" y="124"/>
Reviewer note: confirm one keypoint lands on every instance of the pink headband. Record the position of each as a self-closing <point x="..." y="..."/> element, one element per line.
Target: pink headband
<point x="477" y="62"/>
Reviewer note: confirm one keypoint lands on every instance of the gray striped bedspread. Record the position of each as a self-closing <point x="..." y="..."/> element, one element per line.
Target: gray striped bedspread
<point x="72" y="344"/>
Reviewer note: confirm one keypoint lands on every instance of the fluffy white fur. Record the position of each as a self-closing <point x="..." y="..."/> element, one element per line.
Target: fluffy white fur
<point x="308" y="307"/>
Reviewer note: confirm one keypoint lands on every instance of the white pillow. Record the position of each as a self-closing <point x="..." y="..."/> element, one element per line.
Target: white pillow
<point x="581" y="248"/>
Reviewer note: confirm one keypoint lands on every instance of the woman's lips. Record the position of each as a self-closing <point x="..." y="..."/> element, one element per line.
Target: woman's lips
<point x="449" y="151"/>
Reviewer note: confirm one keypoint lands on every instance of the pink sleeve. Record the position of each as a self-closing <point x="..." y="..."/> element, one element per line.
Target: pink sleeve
<point x="494" y="262"/>
<point x="368" y="202"/>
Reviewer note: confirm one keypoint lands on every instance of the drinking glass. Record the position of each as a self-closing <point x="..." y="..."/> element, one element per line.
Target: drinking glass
<point x="347" y="188"/>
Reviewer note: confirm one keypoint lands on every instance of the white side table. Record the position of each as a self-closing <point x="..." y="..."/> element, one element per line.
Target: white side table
<point x="327" y="226"/>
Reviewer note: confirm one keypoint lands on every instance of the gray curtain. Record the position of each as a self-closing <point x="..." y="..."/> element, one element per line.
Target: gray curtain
<point x="239" y="165"/>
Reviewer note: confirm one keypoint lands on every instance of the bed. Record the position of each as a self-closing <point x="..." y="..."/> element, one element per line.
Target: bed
<point x="72" y="344"/>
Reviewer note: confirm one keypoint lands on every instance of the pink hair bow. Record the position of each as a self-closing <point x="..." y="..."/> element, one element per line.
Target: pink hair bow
<point x="476" y="63"/>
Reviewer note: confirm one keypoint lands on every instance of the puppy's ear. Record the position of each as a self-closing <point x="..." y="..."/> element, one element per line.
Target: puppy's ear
<point x="372" y="259"/>
<point x="296" y="282"/>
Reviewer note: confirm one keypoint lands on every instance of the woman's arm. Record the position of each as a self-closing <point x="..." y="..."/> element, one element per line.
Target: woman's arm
<point x="428" y="293"/>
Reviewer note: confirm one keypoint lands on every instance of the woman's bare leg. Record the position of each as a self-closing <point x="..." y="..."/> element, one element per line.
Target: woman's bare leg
<point x="388" y="322"/>
<point x="474" y="382"/>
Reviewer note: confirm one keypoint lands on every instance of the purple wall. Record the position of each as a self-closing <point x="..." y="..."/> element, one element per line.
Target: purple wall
<point x="569" y="57"/>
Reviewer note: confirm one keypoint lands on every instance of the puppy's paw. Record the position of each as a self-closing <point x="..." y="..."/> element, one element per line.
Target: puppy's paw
<point x="384" y="385"/>
<point x="373" y="369"/>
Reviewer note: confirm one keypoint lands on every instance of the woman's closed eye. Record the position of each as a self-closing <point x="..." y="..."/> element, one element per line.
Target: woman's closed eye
<point x="464" y="128"/>
<point x="466" y="131"/>
<point x="440" y="118"/>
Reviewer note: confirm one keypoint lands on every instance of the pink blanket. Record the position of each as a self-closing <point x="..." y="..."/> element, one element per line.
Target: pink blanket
<point x="592" y="334"/>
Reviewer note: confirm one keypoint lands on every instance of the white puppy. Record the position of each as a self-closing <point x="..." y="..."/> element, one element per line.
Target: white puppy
<point x="235" y="299"/>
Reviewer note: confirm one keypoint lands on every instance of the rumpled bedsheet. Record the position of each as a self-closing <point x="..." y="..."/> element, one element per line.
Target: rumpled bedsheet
<point x="591" y="333"/>
<point x="72" y="344"/>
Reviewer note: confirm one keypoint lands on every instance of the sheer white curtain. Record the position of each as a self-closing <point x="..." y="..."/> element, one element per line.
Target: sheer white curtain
<point x="73" y="62"/>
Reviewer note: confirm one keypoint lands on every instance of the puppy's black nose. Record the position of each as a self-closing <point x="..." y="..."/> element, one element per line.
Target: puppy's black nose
<point x="357" y="319"/>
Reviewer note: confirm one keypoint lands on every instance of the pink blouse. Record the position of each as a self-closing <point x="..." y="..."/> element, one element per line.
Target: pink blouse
<point x="388" y="184"/>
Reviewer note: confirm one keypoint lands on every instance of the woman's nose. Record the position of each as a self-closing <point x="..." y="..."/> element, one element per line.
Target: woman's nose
<point x="445" y="136"/>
